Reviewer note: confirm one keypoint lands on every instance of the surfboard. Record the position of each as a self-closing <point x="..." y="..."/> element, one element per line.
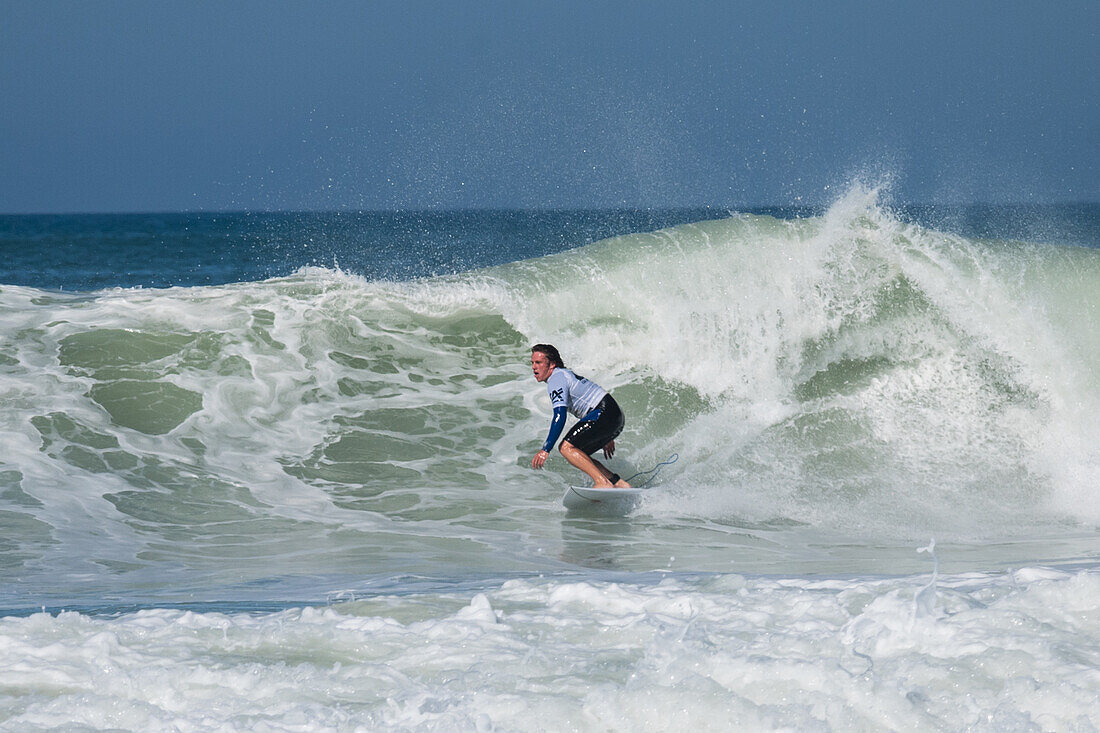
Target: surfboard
<point x="602" y="501"/>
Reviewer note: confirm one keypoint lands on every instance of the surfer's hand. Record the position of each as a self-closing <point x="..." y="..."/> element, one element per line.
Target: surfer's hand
<point x="539" y="459"/>
<point x="609" y="450"/>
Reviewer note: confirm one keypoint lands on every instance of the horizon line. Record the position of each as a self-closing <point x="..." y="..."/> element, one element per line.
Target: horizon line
<point x="542" y="210"/>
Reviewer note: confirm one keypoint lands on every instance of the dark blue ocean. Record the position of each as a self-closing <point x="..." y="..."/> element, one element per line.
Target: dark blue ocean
<point x="95" y="251"/>
<point x="271" y="471"/>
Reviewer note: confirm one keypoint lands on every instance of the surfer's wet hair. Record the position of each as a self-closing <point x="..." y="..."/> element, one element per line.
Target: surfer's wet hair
<point x="551" y="354"/>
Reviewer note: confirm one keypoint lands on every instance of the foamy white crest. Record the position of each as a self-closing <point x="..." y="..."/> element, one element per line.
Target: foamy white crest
<point x="984" y="652"/>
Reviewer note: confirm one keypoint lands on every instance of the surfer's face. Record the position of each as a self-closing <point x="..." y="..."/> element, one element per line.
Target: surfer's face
<point x="541" y="366"/>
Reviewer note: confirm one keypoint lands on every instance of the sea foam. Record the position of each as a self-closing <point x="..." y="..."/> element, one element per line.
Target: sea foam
<point x="993" y="651"/>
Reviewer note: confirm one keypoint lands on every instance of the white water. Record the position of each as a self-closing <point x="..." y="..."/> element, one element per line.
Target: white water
<point x="1011" y="651"/>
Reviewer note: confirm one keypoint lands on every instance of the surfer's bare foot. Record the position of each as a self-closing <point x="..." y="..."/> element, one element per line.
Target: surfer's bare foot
<point x="605" y="480"/>
<point x="617" y="482"/>
<point x="614" y="482"/>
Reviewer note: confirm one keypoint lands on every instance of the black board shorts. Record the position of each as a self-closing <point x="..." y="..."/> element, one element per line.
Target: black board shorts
<point x="589" y="435"/>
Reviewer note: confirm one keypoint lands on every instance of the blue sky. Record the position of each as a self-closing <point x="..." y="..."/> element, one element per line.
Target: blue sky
<point x="119" y="105"/>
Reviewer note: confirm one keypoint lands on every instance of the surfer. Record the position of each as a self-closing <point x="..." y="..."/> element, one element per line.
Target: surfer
<point x="600" y="422"/>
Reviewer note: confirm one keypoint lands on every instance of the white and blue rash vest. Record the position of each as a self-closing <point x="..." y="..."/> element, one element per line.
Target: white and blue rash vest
<point x="569" y="392"/>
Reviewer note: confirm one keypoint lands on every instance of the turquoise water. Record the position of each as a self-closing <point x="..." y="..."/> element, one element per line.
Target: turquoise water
<point x="293" y="489"/>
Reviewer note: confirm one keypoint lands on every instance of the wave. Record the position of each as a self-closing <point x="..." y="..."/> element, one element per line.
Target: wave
<point x="850" y="372"/>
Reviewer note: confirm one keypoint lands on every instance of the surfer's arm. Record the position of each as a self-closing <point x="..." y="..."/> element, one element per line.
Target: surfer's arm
<point x="557" y="423"/>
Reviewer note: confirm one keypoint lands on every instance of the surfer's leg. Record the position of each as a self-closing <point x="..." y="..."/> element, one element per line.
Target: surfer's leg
<point x="612" y="477"/>
<point x="619" y="483"/>
<point x="601" y="477"/>
<point x="588" y="436"/>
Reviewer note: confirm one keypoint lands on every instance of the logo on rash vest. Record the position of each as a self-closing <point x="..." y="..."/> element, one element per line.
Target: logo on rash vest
<point x="556" y="396"/>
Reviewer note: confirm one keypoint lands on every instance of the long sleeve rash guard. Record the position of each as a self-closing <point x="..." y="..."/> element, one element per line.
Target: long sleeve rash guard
<point x="569" y="393"/>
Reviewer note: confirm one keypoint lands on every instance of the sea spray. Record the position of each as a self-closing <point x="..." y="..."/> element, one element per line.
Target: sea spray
<point x="924" y="602"/>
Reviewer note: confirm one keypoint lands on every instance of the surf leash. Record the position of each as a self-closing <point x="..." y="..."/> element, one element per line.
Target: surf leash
<point x="655" y="470"/>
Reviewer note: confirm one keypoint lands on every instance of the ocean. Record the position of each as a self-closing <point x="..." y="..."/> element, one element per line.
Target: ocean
<point x="270" y="471"/>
